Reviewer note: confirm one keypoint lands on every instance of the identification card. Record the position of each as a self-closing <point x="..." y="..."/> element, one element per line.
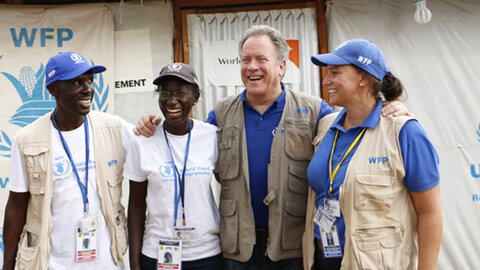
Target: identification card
<point x="186" y="233"/>
<point x="331" y="243"/>
<point x="89" y="223"/>
<point x="323" y="219"/>
<point x="333" y="207"/>
<point x="86" y="245"/>
<point x="169" y="254"/>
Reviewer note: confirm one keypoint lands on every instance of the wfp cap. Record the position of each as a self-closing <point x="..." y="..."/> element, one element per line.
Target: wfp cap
<point x="359" y="52"/>
<point x="180" y="70"/>
<point x="68" y="65"/>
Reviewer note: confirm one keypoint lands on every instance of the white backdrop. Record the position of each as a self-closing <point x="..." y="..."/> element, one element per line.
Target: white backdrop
<point x="214" y="37"/>
<point x="438" y="63"/>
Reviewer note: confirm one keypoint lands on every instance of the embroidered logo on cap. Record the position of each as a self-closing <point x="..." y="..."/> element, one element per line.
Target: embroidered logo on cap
<point x="174" y="67"/>
<point x="364" y="60"/>
<point x="51" y="73"/>
<point x="76" y="58"/>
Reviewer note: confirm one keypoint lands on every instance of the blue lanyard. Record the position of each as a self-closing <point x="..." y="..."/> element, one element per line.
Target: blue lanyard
<point x="180" y="180"/>
<point x="83" y="188"/>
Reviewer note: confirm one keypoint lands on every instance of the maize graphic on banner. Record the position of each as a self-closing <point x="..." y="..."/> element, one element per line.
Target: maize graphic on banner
<point x="30" y="36"/>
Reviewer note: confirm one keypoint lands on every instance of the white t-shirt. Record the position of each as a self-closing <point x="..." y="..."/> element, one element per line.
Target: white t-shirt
<point x="67" y="203"/>
<point x="149" y="160"/>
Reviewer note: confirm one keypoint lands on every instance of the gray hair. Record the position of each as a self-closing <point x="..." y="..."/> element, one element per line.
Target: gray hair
<point x="278" y="40"/>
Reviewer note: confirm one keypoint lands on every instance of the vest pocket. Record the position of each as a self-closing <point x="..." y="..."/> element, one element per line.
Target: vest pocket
<point x="379" y="247"/>
<point x="121" y="234"/>
<point x="298" y="146"/>
<point x="297" y="180"/>
<point x="115" y="189"/>
<point x="229" y="226"/>
<point x="228" y="162"/>
<point x="27" y="250"/>
<point x="373" y="192"/>
<point x="36" y="163"/>
<point x="293" y="225"/>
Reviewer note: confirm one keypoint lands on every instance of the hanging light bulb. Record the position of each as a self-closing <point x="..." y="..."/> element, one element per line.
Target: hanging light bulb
<point x="422" y="13"/>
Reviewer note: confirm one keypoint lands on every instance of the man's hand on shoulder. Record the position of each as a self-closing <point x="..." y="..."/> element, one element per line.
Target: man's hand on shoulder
<point x="146" y="125"/>
<point x="395" y="108"/>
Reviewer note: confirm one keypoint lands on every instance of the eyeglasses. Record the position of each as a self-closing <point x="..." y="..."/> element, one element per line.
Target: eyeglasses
<point x="180" y="93"/>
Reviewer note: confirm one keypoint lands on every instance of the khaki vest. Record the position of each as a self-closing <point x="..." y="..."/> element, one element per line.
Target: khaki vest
<point x="380" y="218"/>
<point x="34" y="142"/>
<point x="287" y="180"/>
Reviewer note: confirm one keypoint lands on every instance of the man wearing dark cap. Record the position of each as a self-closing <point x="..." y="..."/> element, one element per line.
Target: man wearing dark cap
<point x="65" y="181"/>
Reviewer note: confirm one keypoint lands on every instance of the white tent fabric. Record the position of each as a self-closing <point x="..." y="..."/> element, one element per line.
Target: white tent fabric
<point x="438" y="64"/>
<point x="212" y="35"/>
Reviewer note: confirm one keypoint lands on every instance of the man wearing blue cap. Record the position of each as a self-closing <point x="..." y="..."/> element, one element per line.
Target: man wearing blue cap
<point x="65" y="181"/>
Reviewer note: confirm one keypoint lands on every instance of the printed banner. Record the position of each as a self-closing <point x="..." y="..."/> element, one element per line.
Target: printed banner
<point x="222" y="63"/>
<point x="30" y="36"/>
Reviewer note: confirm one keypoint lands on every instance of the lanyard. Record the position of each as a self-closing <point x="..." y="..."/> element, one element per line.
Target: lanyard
<point x="180" y="180"/>
<point x="332" y="175"/>
<point x="83" y="188"/>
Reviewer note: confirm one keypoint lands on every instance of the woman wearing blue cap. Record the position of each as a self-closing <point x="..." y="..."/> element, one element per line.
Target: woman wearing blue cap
<point x="376" y="178"/>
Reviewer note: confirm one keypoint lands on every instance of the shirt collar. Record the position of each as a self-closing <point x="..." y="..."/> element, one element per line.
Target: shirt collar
<point x="370" y="122"/>
<point x="278" y="103"/>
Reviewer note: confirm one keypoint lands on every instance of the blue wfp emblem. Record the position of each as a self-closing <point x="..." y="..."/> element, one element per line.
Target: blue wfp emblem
<point x="166" y="171"/>
<point x="61" y="167"/>
<point x="37" y="101"/>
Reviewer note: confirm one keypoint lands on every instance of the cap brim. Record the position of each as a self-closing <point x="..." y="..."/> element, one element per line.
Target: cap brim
<point x="94" y="69"/>
<point x="328" y="59"/>
<point x="160" y="78"/>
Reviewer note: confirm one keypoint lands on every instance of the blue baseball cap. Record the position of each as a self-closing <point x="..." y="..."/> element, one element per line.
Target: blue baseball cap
<point x="359" y="52"/>
<point x="68" y="65"/>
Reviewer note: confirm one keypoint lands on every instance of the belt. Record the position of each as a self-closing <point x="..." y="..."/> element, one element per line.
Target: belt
<point x="261" y="234"/>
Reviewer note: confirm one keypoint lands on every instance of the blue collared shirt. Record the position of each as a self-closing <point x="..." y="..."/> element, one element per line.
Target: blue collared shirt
<point x="260" y="129"/>
<point x="419" y="157"/>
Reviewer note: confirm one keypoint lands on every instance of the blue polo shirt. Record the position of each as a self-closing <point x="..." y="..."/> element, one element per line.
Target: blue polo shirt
<point x="419" y="157"/>
<point x="260" y="129"/>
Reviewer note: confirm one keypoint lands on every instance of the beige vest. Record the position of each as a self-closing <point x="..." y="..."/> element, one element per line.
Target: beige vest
<point x="287" y="180"/>
<point x="380" y="218"/>
<point x="34" y="142"/>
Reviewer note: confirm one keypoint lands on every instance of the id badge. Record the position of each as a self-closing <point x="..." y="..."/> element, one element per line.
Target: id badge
<point x="333" y="207"/>
<point x="323" y="219"/>
<point x="186" y="233"/>
<point x="86" y="245"/>
<point x="89" y="223"/>
<point x="169" y="254"/>
<point x="331" y="243"/>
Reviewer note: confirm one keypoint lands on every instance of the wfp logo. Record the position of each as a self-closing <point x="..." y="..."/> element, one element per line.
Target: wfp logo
<point x="61" y="167"/>
<point x="166" y="169"/>
<point x="37" y="101"/>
